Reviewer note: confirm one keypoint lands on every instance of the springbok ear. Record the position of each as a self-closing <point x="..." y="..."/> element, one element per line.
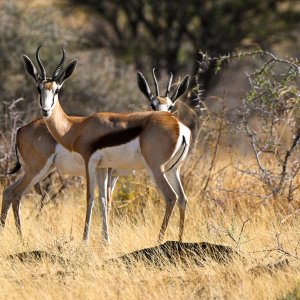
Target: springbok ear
<point x="68" y="71"/>
<point x="30" y="68"/>
<point x="143" y="85"/>
<point x="181" y="89"/>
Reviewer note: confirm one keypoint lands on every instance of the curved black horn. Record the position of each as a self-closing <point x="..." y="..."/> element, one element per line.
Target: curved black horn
<point x="155" y="82"/>
<point x="169" y="85"/>
<point x="143" y="85"/>
<point x="43" y="72"/>
<point x="56" y="71"/>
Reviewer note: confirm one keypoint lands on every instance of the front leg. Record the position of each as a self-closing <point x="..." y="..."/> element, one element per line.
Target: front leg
<point x="90" y="191"/>
<point x="102" y="176"/>
<point x="111" y="183"/>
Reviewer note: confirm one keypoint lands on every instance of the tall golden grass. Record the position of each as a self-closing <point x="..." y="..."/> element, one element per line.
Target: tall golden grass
<point x="232" y="212"/>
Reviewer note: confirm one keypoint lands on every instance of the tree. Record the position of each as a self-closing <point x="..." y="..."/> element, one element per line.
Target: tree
<point x="169" y="34"/>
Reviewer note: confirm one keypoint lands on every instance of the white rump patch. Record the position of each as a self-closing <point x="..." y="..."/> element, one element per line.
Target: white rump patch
<point x="177" y="155"/>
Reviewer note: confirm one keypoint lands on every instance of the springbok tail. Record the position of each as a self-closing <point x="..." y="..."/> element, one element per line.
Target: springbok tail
<point x="179" y="154"/>
<point x="17" y="165"/>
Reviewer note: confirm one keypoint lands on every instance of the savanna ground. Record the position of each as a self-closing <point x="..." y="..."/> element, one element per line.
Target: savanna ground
<point x="232" y="210"/>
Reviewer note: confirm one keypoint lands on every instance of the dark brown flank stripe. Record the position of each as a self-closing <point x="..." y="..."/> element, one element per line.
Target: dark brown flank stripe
<point x="116" y="138"/>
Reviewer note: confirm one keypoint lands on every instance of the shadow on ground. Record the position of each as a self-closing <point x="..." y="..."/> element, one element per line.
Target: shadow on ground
<point x="171" y="252"/>
<point x="177" y="252"/>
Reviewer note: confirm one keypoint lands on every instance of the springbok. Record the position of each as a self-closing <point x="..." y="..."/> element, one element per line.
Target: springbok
<point x="119" y="141"/>
<point x="43" y="154"/>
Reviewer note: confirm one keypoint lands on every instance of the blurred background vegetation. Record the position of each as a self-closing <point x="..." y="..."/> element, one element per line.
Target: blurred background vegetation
<point x="114" y="39"/>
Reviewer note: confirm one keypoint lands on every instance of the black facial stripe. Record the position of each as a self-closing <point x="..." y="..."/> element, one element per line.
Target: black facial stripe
<point x="56" y="92"/>
<point x="53" y="100"/>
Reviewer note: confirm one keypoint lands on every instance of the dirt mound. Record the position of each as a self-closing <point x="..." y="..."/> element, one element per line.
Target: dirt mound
<point x="36" y="255"/>
<point x="270" y="268"/>
<point x="174" y="252"/>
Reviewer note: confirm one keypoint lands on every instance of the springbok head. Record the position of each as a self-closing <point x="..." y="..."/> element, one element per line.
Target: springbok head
<point x="48" y="88"/>
<point x="158" y="102"/>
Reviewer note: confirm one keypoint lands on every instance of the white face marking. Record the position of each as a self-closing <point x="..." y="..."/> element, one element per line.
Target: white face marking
<point x="170" y="103"/>
<point x="48" y="92"/>
<point x="162" y="107"/>
<point x="167" y="105"/>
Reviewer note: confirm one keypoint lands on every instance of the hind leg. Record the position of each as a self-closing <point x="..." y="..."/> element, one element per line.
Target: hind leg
<point x="26" y="183"/>
<point x="13" y="194"/>
<point x="173" y="177"/>
<point x="6" y="202"/>
<point x="16" y="209"/>
<point x="102" y="178"/>
<point x="169" y="196"/>
<point x="111" y="183"/>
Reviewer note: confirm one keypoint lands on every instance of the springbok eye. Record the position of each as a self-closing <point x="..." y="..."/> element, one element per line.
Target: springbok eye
<point x="153" y="106"/>
<point x="171" y="107"/>
<point x="56" y="92"/>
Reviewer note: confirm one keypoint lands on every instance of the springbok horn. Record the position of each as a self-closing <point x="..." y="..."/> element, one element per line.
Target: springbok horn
<point x="56" y="71"/>
<point x="155" y="82"/>
<point x="43" y="72"/>
<point x="169" y="85"/>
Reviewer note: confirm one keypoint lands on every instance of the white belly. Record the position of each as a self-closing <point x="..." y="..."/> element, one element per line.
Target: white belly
<point x="67" y="162"/>
<point x="127" y="156"/>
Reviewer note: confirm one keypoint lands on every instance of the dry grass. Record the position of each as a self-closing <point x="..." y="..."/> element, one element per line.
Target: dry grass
<point x="264" y="232"/>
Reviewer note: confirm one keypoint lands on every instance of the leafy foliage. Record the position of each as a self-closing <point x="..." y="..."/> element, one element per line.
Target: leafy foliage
<point x="169" y="34"/>
<point x="269" y="117"/>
